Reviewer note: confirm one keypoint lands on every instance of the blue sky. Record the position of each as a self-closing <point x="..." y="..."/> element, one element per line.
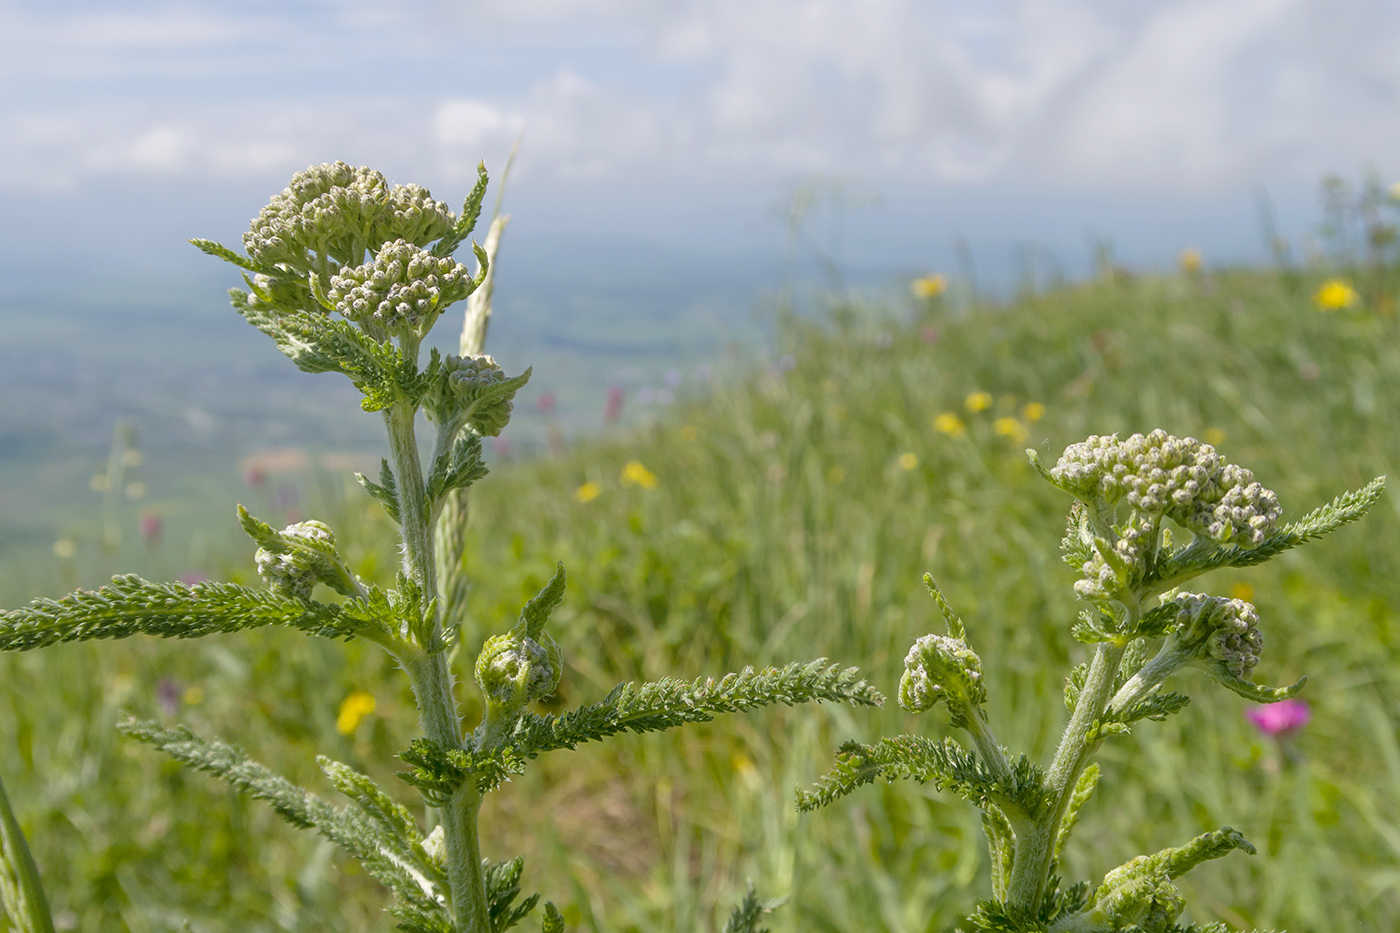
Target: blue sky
<point x="684" y="122"/>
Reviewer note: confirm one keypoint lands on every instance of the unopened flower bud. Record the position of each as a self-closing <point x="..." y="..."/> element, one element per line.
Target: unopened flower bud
<point x="404" y="288"/>
<point x="939" y="667"/>
<point x="1222" y="635"/>
<point x="1157" y="474"/>
<point x="473" y="390"/>
<point x="335" y="212"/>
<point x="304" y="561"/>
<point x="514" y="669"/>
<point x="292" y="561"/>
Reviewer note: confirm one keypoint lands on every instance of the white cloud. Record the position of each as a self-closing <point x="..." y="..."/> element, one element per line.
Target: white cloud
<point x="1176" y="95"/>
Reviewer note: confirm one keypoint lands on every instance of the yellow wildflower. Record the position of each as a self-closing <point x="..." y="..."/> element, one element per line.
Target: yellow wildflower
<point x="908" y="460"/>
<point x="689" y="432"/>
<point x="1336" y="294"/>
<point x="634" y="474"/>
<point x="950" y="424"/>
<point x="1214" y="437"/>
<point x="835" y="476"/>
<point x="1191" y="261"/>
<point x="1242" y="591"/>
<point x="65" y="548"/>
<point x="978" y="401"/>
<point x="1010" y="427"/>
<point x="353" y="709"/>
<point x="930" y="286"/>
<point x="1033" y="412"/>
<point x="193" y="696"/>
<point x="588" y="492"/>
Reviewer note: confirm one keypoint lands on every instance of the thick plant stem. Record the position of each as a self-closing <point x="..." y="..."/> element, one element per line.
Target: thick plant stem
<point x="413" y="504"/>
<point x="1035" y="845"/>
<point x="432" y="681"/>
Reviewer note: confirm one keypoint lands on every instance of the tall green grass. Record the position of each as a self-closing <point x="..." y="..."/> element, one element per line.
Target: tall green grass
<point x="792" y="514"/>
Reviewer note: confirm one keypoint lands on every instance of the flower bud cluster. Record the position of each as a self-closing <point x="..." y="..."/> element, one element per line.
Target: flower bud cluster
<point x="336" y="211"/>
<point x="1222" y="634"/>
<point x="514" y="669"/>
<point x="472" y="389"/>
<point x="403" y="288"/>
<point x="308" y="557"/>
<point x="1102" y="581"/>
<point x="1158" y="474"/>
<point x="939" y="667"/>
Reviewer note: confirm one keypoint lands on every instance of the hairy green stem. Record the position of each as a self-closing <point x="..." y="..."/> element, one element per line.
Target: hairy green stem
<point x="993" y="755"/>
<point x="1035" y="845"/>
<point x="432" y="681"/>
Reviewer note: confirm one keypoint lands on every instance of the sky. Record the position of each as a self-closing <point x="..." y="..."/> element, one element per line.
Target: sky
<point x="687" y="124"/>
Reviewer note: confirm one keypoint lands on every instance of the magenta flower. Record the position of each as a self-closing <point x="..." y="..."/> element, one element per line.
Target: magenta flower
<point x="1282" y="718"/>
<point x="546" y="402"/>
<point x="149" y="526"/>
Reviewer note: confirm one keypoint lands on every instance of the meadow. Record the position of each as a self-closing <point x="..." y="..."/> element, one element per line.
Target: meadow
<point x="789" y="509"/>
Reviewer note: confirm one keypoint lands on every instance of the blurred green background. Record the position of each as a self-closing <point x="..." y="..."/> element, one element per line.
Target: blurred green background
<point x="783" y="507"/>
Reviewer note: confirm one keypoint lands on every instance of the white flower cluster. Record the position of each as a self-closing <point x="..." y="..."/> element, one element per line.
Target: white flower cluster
<point x="1222" y="634"/>
<point x="337" y="211"/>
<point x="1181" y="478"/>
<point x="297" y="570"/>
<point x="403" y="287"/>
<point x="939" y="667"/>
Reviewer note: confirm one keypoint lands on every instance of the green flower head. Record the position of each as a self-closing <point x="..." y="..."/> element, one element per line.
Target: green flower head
<point x="403" y="289"/>
<point x="1221" y="634"/>
<point x="335" y="212"/>
<point x="1181" y="478"/>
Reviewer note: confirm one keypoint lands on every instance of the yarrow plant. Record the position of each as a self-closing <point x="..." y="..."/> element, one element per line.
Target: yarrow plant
<point x="348" y="274"/>
<point x="1151" y="513"/>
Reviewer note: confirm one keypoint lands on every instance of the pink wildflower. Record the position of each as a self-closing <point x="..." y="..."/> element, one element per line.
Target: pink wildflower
<point x="1281" y="718"/>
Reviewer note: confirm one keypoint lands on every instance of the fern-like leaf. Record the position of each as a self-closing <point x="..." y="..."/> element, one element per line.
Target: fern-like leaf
<point x="745" y="917"/>
<point x="420" y="907"/>
<point x="438" y="772"/>
<point x="1201" y="557"/>
<point x="1083" y="789"/>
<point x="466" y="221"/>
<point x="665" y="704"/>
<point x="220" y="251"/>
<point x="945" y="764"/>
<point x="502" y="888"/>
<point x="131" y="606"/>
<point x="456" y="468"/>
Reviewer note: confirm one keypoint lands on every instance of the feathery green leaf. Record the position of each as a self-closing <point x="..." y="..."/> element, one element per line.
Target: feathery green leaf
<point x="466" y="221"/>
<point x="745" y="917"/>
<point x="132" y="606"/>
<point x="945" y="764"/>
<point x="667" y="703"/>
<point x="373" y="843"/>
